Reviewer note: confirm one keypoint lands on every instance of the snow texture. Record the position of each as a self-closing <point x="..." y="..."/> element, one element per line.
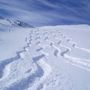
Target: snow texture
<point x="45" y="58"/>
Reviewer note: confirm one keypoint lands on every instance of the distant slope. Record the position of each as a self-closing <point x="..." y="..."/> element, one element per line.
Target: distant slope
<point x="5" y="22"/>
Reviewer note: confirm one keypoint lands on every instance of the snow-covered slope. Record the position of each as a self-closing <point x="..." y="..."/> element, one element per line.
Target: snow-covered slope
<point x="45" y="58"/>
<point x="6" y="22"/>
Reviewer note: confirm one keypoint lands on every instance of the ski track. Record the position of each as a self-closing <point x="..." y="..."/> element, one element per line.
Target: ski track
<point x="40" y="43"/>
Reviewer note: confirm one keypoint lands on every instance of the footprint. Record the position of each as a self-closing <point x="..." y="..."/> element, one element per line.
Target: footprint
<point x="37" y="38"/>
<point x="64" y="52"/>
<point x="39" y="49"/>
<point x="59" y="42"/>
<point x="46" y="38"/>
<point x="38" y="57"/>
<point x="56" y="53"/>
<point x="38" y="42"/>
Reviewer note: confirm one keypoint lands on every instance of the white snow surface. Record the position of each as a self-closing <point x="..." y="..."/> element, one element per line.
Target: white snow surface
<point x="45" y="58"/>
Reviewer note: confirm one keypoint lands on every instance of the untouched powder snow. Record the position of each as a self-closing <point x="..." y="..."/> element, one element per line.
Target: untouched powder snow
<point x="45" y="58"/>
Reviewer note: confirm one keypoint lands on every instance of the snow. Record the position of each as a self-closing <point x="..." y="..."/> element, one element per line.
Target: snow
<point x="45" y="58"/>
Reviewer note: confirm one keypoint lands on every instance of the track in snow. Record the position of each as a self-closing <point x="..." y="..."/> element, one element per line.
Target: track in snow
<point x="29" y="70"/>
